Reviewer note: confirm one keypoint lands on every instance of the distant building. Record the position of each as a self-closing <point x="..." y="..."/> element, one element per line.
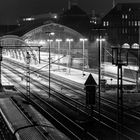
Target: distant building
<point x="38" y="19"/>
<point x="76" y="18"/>
<point x="122" y="24"/>
<point x="95" y="19"/>
<point x="96" y="30"/>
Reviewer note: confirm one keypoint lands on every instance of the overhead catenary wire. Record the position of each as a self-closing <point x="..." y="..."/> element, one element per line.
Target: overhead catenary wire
<point x="47" y="65"/>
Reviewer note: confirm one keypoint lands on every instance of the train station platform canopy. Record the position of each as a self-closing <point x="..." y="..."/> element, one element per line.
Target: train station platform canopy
<point x="37" y="35"/>
<point x="35" y="29"/>
<point x="12" y="41"/>
<point x="40" y="32"/>
<point x="62" y="32"/>
<point x="40" y="36"/>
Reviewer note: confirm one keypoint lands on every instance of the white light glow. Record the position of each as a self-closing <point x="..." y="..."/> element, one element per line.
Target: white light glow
<point x="69" y="39"/>
<point x="58" y="40"/>
<point x="135" y="46"/>
<point x="83" y="39"/>
<point x="126" y="45"/>
<point x="49" y="40"/>
<point x="28" y="19"/>
<point x="100" y="39"/>
<point x="42" y="42"/>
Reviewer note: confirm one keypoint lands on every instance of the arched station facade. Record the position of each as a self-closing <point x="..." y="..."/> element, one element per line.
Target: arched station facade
<point x="65" y="45"/>
<point x="15" y="47"/>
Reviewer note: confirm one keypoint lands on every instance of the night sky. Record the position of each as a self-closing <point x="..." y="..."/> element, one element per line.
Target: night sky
<point x="10" y="10"/>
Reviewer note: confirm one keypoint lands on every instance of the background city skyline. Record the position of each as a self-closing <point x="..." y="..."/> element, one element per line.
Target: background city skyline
<point x="10" y="10"/>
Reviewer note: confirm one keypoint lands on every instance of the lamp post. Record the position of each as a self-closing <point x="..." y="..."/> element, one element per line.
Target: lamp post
<point x="58" y="41"/>
<point x="28" y="57"/>
<point x="83" y="42"/>
<point x="99" y="40"/>
<point x="50" y="40"/>
<point x="39" y="54"/>
<point x="69" y="53"/>
<point x="0" y="65"/>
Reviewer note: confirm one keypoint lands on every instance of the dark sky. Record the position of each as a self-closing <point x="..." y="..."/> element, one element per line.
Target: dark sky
<point x="12" y="9"/>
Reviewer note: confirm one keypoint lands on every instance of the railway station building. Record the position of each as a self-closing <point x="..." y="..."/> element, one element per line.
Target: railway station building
<point x="70" y="41"/>
<point x="122" y="24"/>
<point x="64" y="44"/>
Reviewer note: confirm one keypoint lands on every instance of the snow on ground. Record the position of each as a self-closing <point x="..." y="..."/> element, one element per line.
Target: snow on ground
<point x="131" y="99"/>
<point x="75" y="74"/>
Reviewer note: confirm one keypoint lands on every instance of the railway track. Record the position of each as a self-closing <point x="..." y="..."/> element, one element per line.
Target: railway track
<point x="61" y="121"/>
<point x="94" y="111"/>
<point x="42" y="126"/>
<point x="19" y="125"/>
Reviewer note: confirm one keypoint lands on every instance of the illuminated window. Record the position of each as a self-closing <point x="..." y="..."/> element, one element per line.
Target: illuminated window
<point x="125" y="16"/>
<point x="122" y="16"/>
<point x="104" y="23"/>
<point x="55" y="16"/>
<point x="138" y="23"/>
<point x="28" y="19"/>
<point x="135" y="46"/>
<point x="126" y="30"/>
<point x="107" y="23"/>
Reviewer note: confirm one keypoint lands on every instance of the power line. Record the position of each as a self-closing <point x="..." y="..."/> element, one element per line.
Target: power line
<point x="47" y="65"/>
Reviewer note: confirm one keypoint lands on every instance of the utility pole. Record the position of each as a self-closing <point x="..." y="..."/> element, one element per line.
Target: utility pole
<point x="138" y="72"/>
<point x="28" y="74"/>
<point x="50" y="40"/>
<point x="0" y="67"/>
<point x="117" y="53"/>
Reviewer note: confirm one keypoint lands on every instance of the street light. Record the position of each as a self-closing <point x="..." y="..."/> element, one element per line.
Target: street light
<point x="83" y="41"/>
<point x="0" y="64"/>
<point x="28" y="60"/>
<point x="99" y="40"/>
<point x="58" y="41"/>
<point x="69" y="53"/>
<point x="50" y="40"/>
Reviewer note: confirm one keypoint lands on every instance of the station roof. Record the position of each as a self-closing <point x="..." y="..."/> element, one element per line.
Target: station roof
<point x="21" y="30"/>
<point x="124" y="8"/>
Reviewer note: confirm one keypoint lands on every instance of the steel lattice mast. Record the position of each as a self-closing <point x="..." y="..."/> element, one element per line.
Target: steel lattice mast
<point x="28" y="74"/>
